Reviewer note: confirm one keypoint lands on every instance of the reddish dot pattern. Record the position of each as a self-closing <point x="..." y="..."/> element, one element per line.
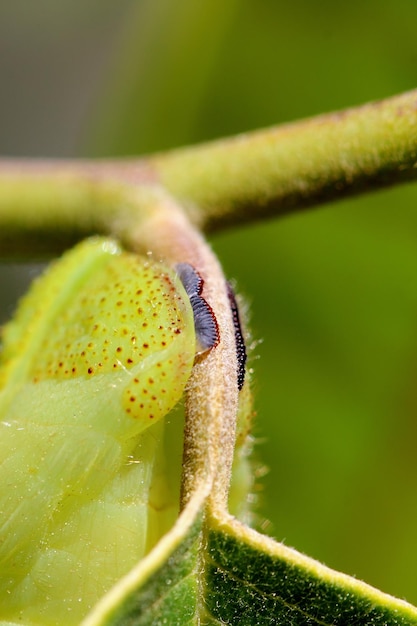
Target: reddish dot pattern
<point x="130" y="318"/>
<point x="95" y="334"/>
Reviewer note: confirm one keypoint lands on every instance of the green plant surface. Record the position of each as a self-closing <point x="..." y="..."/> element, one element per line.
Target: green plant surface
<point x="252" y="580"/>
<point x="247" y="579"/>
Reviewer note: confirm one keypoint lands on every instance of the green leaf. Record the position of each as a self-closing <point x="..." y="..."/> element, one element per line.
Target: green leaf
<point x="225" y="573"/>
<point x="252" y="580"/>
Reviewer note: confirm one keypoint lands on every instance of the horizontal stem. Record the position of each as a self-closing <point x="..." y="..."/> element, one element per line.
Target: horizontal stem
<point x="278" y="170"/>
<point x="46" y="206"/>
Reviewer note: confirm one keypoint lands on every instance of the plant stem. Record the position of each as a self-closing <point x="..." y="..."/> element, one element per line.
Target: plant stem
<point x="279" y="170"/>
<point x="212" y="392"/>
<point x="45" y="206"/>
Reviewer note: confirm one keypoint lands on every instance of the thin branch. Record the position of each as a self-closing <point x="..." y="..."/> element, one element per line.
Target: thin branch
<point x="212" y="392"/>
<point x="294" y="166"/>
<point x="45" y="206"/>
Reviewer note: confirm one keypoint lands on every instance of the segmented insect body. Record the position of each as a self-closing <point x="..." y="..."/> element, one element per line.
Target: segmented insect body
<point x="240" y="342"/>
<point x="205" y="322"/>
<point x="99" y="351"/>
<point x="206" y="328"/>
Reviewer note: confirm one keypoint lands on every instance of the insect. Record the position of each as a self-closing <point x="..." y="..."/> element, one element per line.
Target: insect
<point x="99" y="351"/>
<point x="205" y="323"/>
<point x="240" y="342"/>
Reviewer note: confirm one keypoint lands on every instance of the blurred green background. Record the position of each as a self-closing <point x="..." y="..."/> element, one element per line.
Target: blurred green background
<point x="333" y="291"/>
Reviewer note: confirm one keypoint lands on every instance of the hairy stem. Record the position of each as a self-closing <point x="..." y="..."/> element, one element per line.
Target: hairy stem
<point x="212" y="393"/>
<point x="278" y="170"/>
<point x="46" y="206"/>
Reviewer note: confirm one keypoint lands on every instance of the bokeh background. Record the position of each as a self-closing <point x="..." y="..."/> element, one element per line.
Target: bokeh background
<point x="333" y="291"/>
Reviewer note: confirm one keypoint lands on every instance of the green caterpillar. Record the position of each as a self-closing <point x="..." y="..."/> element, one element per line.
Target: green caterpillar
<point x="99" y="351"/>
